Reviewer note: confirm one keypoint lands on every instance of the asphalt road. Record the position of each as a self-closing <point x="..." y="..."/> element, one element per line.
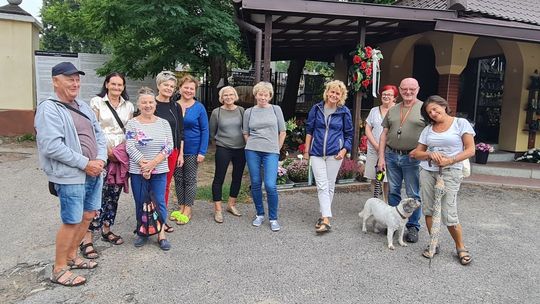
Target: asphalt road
<point x="237" y="263"/>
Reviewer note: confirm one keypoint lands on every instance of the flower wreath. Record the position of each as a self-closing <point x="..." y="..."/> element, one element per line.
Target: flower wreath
<point x="365" y="70"/>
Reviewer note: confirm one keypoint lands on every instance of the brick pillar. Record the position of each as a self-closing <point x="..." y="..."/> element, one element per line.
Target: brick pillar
<point x="449" y="89"/>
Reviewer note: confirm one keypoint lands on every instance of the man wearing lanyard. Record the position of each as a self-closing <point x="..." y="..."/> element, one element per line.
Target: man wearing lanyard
<point x="402" y="127"/>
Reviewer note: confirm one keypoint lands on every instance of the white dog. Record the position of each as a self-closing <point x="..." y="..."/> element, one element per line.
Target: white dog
<point x="393" y="218"/>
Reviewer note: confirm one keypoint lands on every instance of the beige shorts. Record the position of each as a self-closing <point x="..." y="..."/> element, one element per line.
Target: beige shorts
<point x="452" y="180"/>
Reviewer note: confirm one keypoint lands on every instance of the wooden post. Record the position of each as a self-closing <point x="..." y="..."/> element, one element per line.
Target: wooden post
<point x="267" y="46"/>
<point x="357" y="111"/>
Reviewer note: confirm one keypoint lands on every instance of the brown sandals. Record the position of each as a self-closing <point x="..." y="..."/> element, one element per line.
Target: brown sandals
<point x="69" y="281"/>
<point x="464" y="256"/>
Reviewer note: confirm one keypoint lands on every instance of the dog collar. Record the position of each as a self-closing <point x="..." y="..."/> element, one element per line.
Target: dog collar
<point x="400" y="214"/>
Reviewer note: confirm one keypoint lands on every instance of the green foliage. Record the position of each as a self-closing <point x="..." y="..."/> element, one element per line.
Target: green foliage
<point x="26" y="137"/>
<point x="147" y="36"/>
<point x="64" y="28"/>
<point x="321" y="68"/>
<point x="204" y="193"/>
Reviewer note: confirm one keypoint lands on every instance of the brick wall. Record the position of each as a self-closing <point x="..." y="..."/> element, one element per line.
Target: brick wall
<point x="449" y="89"/>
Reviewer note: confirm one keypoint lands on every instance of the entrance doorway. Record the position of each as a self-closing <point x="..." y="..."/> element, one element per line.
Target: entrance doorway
<point x="480" y="97"/>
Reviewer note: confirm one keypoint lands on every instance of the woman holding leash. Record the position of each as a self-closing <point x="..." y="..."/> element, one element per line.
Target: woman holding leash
<point x="444" y="143"/>
<point x="226" y="131"/>
<point x="329" y="133"/>
<point x="373" y="132"/>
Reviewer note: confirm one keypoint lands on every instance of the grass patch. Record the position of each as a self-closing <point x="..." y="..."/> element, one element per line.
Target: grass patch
<point x="26" y="137"/>
<point x="204" y="193"/>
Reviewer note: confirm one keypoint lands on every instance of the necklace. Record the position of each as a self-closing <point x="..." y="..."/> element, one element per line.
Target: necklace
<point x="402" y="118"/>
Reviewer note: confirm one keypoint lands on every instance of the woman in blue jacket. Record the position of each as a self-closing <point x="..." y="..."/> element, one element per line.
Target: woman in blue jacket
<point x="195" y="145"/>
<point x="329" y="132"/>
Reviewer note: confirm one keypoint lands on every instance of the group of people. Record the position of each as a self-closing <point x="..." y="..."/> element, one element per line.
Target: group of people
<point x="414" y="142"/>
<point x="88" y="151"/>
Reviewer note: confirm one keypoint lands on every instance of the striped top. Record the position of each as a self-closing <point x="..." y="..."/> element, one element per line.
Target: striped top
<point x="146" y="141"/>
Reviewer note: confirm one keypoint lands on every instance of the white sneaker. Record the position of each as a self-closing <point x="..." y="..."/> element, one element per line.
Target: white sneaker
<point x="259" y="219"/>
<point x="274" y="225"/>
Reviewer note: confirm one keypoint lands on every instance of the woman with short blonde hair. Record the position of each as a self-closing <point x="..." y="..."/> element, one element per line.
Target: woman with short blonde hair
<point x="264" y="131"/>
<point x="226" y="131"/>
<point x="338" y="86"/>
<point x="329" y="132"/>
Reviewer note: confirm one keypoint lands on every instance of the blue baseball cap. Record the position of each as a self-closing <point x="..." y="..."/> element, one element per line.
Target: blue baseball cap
<point x="65" y="68"/>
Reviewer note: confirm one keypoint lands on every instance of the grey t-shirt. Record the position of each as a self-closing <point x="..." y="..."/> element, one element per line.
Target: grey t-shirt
<point x="328" y="112"/>
<point x="412" y="126"/>
<point x="226" y="127"/>
<point x="263" y="126"/>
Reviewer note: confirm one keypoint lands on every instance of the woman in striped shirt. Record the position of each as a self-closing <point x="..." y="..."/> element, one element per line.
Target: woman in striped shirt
<point x="148" y="144"/>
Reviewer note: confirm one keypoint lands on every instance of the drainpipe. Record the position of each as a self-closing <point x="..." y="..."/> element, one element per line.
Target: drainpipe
<point x="258" y="45"/>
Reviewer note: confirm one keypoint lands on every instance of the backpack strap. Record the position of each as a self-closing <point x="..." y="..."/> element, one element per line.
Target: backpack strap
<point x="71" y="108"/>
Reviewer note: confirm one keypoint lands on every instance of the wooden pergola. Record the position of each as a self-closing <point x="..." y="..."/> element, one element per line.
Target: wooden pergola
<point x="319" y="30"/>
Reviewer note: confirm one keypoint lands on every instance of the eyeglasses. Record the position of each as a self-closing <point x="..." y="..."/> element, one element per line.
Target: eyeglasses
<point x="387" y="95"/>
<point x="408" y="89"/>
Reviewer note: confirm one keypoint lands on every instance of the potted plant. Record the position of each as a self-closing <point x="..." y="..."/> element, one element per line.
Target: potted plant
<point x="283" y="181"/>
<point x="297" y="171"/>
<point x="482" y="153"/>
<point x="347" y="172"/>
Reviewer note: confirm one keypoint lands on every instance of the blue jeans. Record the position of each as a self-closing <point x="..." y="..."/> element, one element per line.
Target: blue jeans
<point x="403" y="168"/>
<point x="269" y="163"/>
<point x="142" y="188"/>
<point x="77" y="198"/>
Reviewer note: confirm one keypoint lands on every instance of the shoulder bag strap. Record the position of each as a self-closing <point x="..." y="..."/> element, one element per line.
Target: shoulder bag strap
<point x="115" y="114"/>
<point x="71" y="108"/>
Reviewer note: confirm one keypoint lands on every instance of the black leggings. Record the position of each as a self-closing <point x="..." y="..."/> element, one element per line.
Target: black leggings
<point x="223" y="157"/>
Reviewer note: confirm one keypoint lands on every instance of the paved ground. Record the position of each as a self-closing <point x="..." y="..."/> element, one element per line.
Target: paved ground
<point x="237" y="263"/>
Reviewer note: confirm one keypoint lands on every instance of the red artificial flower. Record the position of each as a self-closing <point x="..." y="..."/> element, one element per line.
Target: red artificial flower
<point x="363" y="144"/>
<point x="365" y="83"/>
<point x="354" y="77"/>
<point x="368" y="71"/>
<point x="363" y="66"/>
<point x="356" y="59"/>
<point x="368" y="51"/>
<point x="301" y="148"/>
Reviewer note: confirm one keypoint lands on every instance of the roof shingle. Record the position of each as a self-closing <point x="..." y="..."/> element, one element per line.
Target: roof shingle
<point x="527" y="11"/>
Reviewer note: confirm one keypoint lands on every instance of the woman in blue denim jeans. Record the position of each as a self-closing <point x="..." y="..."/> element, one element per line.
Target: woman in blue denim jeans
<point x="264" y="132"/>
<point x="149" y="143"/>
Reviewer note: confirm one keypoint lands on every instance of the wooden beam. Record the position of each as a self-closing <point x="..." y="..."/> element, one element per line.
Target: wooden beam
<point x="357" y="111"/>
<point x="267" y="46"/>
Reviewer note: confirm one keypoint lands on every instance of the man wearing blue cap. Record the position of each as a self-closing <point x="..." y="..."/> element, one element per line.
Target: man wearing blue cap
<point x="72" y="152"/>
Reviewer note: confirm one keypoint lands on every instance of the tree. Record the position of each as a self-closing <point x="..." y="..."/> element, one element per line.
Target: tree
<point x="62" y="29"/>
<point x="146" y="36"/>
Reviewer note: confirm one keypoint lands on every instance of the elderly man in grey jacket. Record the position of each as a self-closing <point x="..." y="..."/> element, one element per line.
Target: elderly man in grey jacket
<point x="72" y="152"/>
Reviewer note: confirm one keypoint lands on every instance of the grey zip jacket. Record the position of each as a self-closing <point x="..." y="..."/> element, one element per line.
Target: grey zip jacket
<point x="59" y="148"/>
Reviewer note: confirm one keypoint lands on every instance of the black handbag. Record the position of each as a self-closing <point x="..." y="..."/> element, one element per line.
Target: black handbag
<point x="52" y="189"/>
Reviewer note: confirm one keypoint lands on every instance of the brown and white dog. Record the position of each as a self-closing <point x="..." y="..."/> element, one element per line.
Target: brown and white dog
<point x="393" y="218"/>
